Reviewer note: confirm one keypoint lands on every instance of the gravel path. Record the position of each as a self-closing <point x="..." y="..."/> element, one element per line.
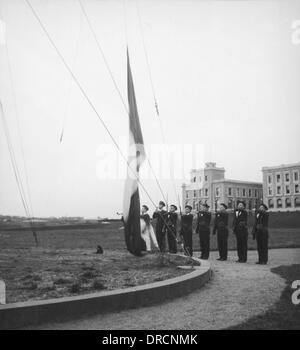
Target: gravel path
<point x="235" y="293"/>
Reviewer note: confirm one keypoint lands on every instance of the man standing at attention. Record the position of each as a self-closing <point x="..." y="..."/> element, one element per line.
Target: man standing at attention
<point x="221" y="228"/>
<point x="171" y="228"/>
<point x="187" y="230"/>
<point x="203" y="223"/>
<point x="261" y="234"/>
<point x="160" y="228"/>
<point x="240" y="230"/>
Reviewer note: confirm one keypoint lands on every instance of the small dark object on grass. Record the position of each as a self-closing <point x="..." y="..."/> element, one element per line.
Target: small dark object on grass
<point x="99" y="249"/>
<point x="75" y="287"/>
<point x="98" y="284"/>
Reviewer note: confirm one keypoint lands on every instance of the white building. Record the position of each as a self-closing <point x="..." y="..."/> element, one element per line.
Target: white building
<point x="209" y="185"/>
<point x="281" y="187"/>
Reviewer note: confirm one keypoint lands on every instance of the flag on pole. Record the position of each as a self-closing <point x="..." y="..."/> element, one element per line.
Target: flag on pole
<point x="136" y="156"/>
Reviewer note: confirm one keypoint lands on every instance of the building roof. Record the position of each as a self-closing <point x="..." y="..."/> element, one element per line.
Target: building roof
<point x="237" y="182"/>
<point x="282" y="166"/>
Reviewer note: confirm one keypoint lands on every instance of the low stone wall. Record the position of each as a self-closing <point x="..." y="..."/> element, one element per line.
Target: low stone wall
<point x="18" y="315"/>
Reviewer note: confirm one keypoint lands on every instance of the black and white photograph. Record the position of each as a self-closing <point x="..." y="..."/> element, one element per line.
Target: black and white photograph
<point x="149" y="167"/>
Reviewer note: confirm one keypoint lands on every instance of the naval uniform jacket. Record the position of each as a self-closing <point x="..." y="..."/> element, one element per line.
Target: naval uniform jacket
<point x="221" y="222"/>
<point x="203" y="221"/>
<point x="240" y="221"/>
<point x="172" y="221"/>
<point x="186" y="224"/>
<point x="161" y="216"/>
<point x="261" y="223"/>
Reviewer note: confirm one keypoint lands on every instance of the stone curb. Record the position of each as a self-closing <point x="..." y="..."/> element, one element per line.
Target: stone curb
<point x="22" y="314"/>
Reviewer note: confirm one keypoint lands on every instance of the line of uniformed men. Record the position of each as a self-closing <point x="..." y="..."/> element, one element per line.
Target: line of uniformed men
<point x="166" y="227"/>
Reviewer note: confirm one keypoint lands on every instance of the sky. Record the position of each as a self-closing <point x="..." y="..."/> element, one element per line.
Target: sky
<point x="226" y="77"/>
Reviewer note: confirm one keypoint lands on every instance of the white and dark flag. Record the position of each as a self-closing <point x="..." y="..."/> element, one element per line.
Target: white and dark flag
<point x="136" y="156"/>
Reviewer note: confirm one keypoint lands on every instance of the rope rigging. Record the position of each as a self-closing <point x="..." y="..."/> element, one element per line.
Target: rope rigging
<point x="120" y="94"/>
<point x="27" y="204"/>
<point x="17" y="173"/>
<point x="114" y="80"/>
<point x="77" y="82"/>
<point x="154" y="94"/>
<point x="70" y="83"/>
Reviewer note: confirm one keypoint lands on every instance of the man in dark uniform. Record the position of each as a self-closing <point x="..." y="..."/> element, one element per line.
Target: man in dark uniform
<point x="203" y="223"/>
<point x="187" y="230"/>
<point x="261" y="234"/>
<point x="160" y="230"/>
<point x="171" y="229"/>
<point x="221" y="228"/>
<point x="240" y="230"/>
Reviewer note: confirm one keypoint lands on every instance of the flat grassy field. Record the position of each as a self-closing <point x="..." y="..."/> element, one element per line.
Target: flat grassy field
<point x="66" y="263"/>
<point x="111" y="236"/>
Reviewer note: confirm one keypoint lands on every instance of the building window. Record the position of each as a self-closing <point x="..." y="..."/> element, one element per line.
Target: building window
<point x="287" y="177"/>
<point x="200" y="193"/>
<point x="278" y="190"/>
<point x="230" y="204"/>
<point x="205" y="178"/>
<point x="297" y="202"/>
<point x="206" y="192"/>
<point x="244" y="192"/>
<point x="200" y="178"/>
<point x="250" y="193"/>
<point x="296" y="188"/>
<point x="187" y="194"/>
<point x="296" y="176"/>
<point x="269" y="179"/>
<point x="194" y="179"/>
<point x="195" y="193"/>
<point x="288" y="203"/>
<point x="270" y="192"/>
<point x="255" y="193"/>
<point x="278" y="177"/>
<point x="250" y="205"/>
<point x="270" y="203"/>
<point x="237" y="192"/>
<point x="217" y="191"/>
<point x="229" y="191"/>
<point x="287" y="189"/>
<point x="279" y="203"/>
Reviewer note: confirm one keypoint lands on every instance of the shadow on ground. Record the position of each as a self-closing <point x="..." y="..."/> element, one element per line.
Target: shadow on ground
<point x="283" y="314"/>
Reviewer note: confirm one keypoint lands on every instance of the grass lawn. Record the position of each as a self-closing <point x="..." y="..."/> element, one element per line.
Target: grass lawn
<point x="284" y="314"/>
<point x="40" y="273"/>
<point x="65" y="262"/>
<point x="111" y="237"/>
